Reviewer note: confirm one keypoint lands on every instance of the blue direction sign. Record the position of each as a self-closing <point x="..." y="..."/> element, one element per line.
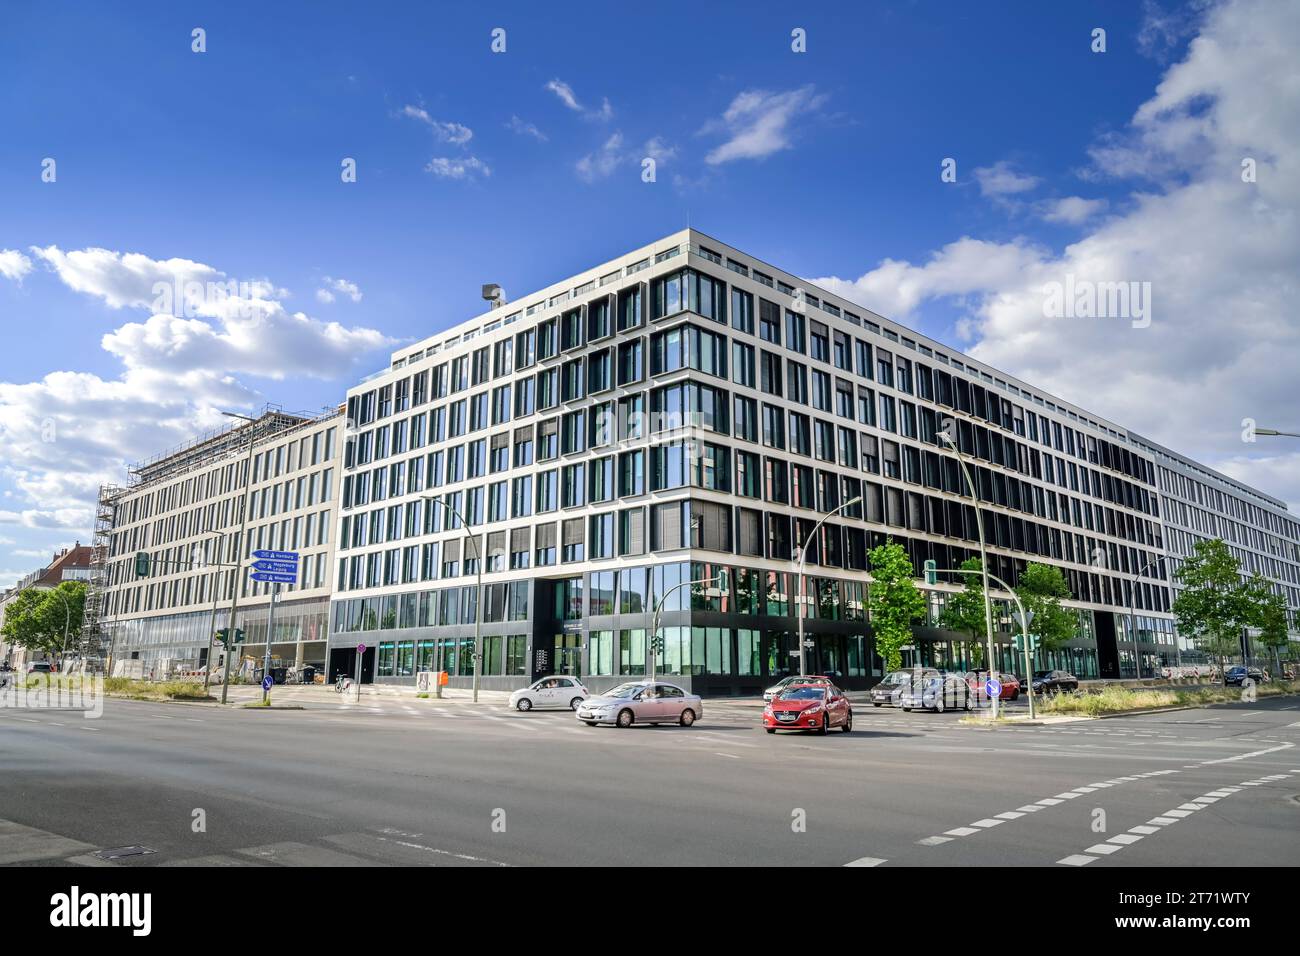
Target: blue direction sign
<point x="277" y="555"/>
<point x="267" y="682"/>
<point x="274" y="578"/>
<point x="279" y="567"/>
<point x="993" y="687"/>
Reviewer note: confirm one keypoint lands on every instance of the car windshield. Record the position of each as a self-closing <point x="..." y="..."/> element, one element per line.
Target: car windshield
<point x="897" y="677"/>
<point x="624" y="690"/>
<point x="1042" y="675"/>
<point x="804" y="693"/>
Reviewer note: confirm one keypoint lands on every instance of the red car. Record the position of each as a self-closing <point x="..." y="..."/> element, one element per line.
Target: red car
<point x="808" y="707"/>
<point x="976" y="680"/>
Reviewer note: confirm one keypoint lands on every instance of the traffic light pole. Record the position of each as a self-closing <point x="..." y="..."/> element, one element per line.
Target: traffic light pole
<point x="1024" y="624"/>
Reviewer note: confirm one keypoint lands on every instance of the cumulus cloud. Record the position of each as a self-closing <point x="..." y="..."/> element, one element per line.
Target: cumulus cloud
<point x="68" y="432"/>
<point x="1001" y="180"/>
<point x="1072" y="210"/>
<point x="564" y="93"/>
<point x="759" y="123"/>
<point x="446" y="132"/>
<point x="603" y="161"/>
<point x="14" y="265"/>
<point x="516" y="125"/>
<point x="458" y="167"/>
<point x="1219" y="253"/>
<point x="340" y="286"/>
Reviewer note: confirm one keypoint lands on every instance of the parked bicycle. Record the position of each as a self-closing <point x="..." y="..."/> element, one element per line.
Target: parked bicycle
<point x="342" y="683"/>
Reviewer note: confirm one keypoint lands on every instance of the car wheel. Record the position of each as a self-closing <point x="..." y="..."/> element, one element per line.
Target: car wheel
<point x="824" y="725"/>
<point x="688" y="717"/>
<point x="848" y="722"/>
<point x="625" y="718"/>
<point x="966" y="704"/>
<point x="573" y="704"/>
<point x="938" y="704"/>
<point x="907" y="709"/>
<point x="1015" y="695"/>
<point x="524" y="704"/>
<point x="770" y="730"/>
<point x="874" y="704"/>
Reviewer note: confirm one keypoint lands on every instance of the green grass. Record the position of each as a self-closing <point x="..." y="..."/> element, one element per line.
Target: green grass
<point x="158" y="690"/>
<point x="1111" y="700"/>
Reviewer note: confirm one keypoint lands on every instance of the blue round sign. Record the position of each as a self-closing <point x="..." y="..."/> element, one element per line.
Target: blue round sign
<point x="267" y="681"/>
<point x="993" y="687"/>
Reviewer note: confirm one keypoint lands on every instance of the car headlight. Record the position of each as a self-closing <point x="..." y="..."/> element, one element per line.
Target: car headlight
<point x="767" y="711"/>
<point x="813" y="711"/>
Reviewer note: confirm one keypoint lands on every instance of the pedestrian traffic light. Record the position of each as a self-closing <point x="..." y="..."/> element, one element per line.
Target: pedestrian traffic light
<point x="931" y="573"/>
<point x="221" y="635"/>
<point x="142" y="564"/>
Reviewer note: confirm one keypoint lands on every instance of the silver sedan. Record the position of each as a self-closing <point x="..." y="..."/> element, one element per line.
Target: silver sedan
<point x="642" y="702"/>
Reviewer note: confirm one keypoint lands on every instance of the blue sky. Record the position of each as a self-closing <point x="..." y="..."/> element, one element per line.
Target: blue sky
<point x="524" y="166"/>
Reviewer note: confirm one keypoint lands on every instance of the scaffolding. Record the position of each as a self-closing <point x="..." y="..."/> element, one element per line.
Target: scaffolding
<point x="92" y="627"/>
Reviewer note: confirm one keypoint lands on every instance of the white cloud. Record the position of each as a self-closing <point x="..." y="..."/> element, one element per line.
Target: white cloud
<point x="603" y="162"/>
<point x="1219" y="253"/>
<point x="324" y="296"/>
<point x="68" y="432"/>
<point x="1001" y="180"/>
<point x="758" y="123"/>
<point x="341" y="286"/>
<point x="564" y="93"/>
<point x="516" y="125"/>
<point x="14" y="265"/>
<point x="1072" y="210"/>
<point x="446" y="132"/>
<point x="453" y="167"/>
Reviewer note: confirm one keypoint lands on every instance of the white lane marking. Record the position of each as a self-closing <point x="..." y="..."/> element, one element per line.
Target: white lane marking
<point x="934" y="841"/>
<point x="1168" y="818"/>
<point x="1253" y="753"/>
<point x="732" y="756"/>
<point x="867" y="861"/>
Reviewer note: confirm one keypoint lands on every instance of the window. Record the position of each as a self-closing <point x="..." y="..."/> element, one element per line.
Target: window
<point x="795" y="332"/>
<point x="742" y="311"/>
<point x="769" y="321"/>
<point x="631" y="361"/>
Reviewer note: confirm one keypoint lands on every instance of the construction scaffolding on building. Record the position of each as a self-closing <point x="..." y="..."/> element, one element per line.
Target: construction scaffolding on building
<point x="93" y="635"/>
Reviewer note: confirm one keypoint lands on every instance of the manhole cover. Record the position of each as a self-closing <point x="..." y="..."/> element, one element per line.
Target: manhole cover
<point x="116" y="853"/>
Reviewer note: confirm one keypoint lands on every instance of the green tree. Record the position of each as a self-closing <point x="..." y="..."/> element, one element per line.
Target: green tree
<point x="963" y="612"/>
<point x="1270" y="618"/>
<point x="1041" y="589"/>
<point x="36" y="619"/>
<point x="895" y="601"/>
<point x="1215" y="605"/>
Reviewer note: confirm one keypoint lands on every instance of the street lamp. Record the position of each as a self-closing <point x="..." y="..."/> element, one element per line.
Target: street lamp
<point x="1132" y="613"/>
<point x="478" y="596"/>
<point x="242" y="545"/>
<point x="947" y="436"/>
<point x="659" y="606"/>
<point x="803" y="556"/>
<point x="1274" y="433"/>
<point x="212" y="619"/>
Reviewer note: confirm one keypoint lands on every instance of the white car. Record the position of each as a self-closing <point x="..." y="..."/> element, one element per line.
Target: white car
<point x="936" y="693"/>
<point x="642" y="702"/>
<point x="550" y="692"/>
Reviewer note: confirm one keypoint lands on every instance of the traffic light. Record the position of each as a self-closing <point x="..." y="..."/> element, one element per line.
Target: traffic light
<point x="931" y="573"/>
<point x="142" y="564"/>
<point x="221" y="635"/>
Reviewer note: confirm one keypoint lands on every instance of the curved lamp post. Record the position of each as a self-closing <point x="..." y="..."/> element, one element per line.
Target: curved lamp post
<point x="478" y="596"/>
<point x="803" y="557"/>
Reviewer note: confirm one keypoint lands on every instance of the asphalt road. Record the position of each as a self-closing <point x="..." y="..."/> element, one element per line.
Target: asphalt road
<point x="423" y="782"/>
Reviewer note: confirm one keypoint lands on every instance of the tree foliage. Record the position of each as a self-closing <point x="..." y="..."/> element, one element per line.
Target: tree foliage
<point x="963" y="612"/>
<point x="1041" y="589"/>
<point x="1215" y="604"/>
<point x="36" y="618"/>
<point x="895" y="601"/>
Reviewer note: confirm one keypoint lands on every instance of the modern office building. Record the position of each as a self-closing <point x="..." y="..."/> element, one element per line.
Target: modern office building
<point x="686" y="412"/>
<point x="185" y="509"/>
<point x="70" y="564"/>
<point x="1198" y="503"/>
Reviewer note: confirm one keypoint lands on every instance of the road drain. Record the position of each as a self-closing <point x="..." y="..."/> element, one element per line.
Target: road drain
<point x="116" y="853"/>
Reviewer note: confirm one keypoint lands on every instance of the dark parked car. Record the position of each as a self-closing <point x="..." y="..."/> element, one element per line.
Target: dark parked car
<point x="1054" y="682"/>
<point x="1236" y="675"/>
<point x="891" y="687"/>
